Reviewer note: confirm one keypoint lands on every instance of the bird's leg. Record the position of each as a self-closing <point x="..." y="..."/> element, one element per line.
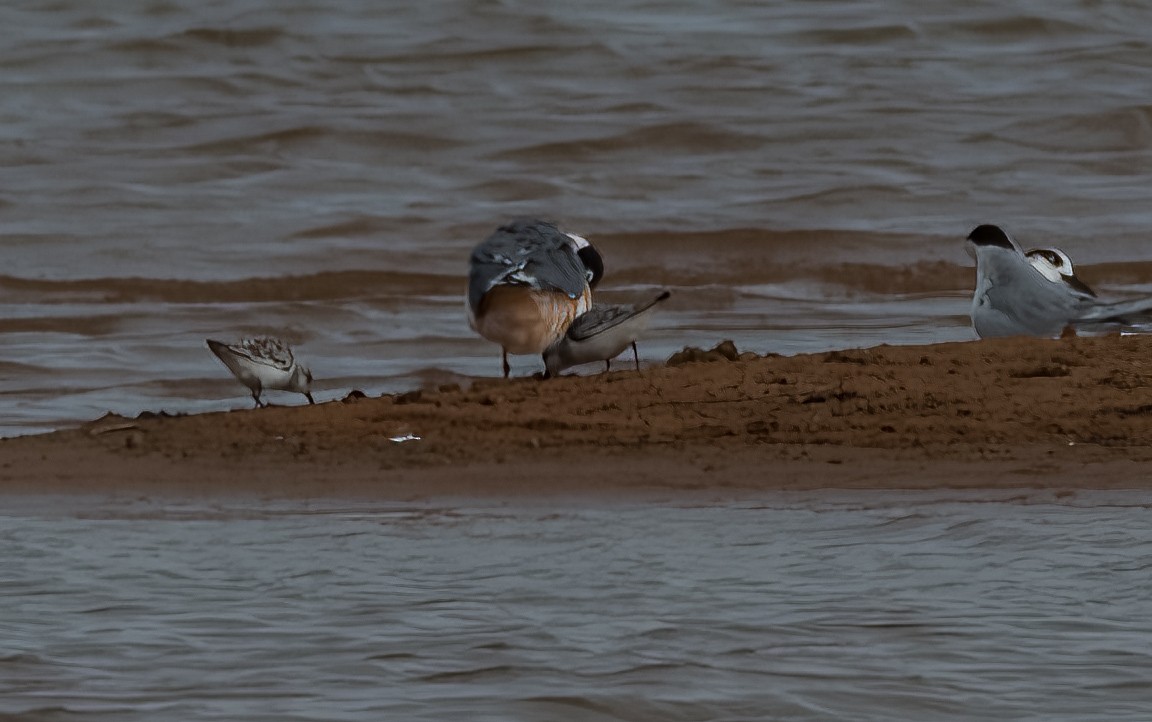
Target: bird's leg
<point x="607" y="365"/>
<point x="636" y="356"/>
<point x="256" y="394"/>
<point x="308" y="395"/>
<point x="507" y="368"/>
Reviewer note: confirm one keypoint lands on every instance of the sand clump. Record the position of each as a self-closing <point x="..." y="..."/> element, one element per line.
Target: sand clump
<point x="723" y="351"/>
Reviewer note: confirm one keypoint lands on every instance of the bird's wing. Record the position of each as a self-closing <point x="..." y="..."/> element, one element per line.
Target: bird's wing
<point x="602" y="317"/>
<point x="267" y="351"/>
<point x="526" y="253"/>
<point x="1021" y="292"/>
<point x="597" y="320"/>
<point x="1129" y="312"/>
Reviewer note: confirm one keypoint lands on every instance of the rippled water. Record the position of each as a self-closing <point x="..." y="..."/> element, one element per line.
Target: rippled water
<point x="863" y="607"/>
<point x="349" y="154"/>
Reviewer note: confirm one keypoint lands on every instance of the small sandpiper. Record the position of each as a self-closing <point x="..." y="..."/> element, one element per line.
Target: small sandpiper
<point x="264" y="363"/>
<point x="601" y="334"/>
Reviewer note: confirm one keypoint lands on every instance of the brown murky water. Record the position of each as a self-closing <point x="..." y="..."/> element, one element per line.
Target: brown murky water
<point x="862" y="607"/>
<point x="174" y="170"/>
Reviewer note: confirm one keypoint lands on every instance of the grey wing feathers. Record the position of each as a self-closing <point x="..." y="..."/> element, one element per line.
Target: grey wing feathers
<point x="1034" y="304"/>
<point x="602" y="317"/>
<point x="268" y="351"/>
<point x="526" y="253"/>
<point x="1123" y="312"/>
<point x="598" y="319"/>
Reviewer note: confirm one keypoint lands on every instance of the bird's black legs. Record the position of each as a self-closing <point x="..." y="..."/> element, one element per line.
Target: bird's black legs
<point x="607" y="365"/>
<point x="636" y="356"/>
<point x="308" y="395"/>
<point x="507" y="368"/>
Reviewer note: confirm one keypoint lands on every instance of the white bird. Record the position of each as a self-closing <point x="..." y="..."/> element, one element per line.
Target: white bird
<point x="264" y="363"/>
<point x="1038" y="295"/>
<point x="527" y="282"/>
<point x="601" y="334"/>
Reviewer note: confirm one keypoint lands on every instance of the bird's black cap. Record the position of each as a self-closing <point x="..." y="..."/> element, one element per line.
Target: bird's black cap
<point x="989" y="235"/>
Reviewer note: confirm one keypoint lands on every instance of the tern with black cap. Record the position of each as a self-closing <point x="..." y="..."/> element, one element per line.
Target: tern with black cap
<point x="1018" y="294"/>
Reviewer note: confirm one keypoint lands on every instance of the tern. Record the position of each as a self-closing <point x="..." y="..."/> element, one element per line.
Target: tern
<point x="1036" y="295"/>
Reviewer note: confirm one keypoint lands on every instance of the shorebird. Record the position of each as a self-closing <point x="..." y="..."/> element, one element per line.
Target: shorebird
<point x="1036" y="295"/>
<point x="601" y="334"/>
<point x="264" y="363"/>
<point x="527" y="282"/>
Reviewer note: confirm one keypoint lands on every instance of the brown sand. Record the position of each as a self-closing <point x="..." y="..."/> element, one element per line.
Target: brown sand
<point x="1068" y="414"/>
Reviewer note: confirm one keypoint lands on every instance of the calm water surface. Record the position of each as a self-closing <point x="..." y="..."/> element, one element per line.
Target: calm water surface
<point x="172" y="170"/>
<point x="863" y="607"/>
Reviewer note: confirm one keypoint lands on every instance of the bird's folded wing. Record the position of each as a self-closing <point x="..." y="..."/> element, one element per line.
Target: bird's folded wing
<point x="267" y="351"/>
<point x="537" y="256"/>
<point x="1128" y="312"/>
<point x="598" y="320"/>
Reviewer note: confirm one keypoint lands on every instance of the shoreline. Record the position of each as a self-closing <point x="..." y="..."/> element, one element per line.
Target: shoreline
<point x="1069" y="414"/>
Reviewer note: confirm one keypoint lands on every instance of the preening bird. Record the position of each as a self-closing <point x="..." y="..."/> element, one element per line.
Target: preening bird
<point x="527" y="283"/>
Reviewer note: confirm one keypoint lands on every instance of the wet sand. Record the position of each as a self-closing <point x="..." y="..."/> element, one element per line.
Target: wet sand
<point x="1068" y="414"/>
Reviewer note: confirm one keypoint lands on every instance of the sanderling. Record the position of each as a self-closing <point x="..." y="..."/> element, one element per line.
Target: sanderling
<point x="264" y="363"/>
<point x="527" y="282"/>
<point x="1019" y="295"/>
<point x="601" y="334"/>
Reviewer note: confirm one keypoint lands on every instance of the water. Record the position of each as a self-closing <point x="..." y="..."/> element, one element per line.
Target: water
<point x="863" y="607"/>
<point x="175" y="170"/>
